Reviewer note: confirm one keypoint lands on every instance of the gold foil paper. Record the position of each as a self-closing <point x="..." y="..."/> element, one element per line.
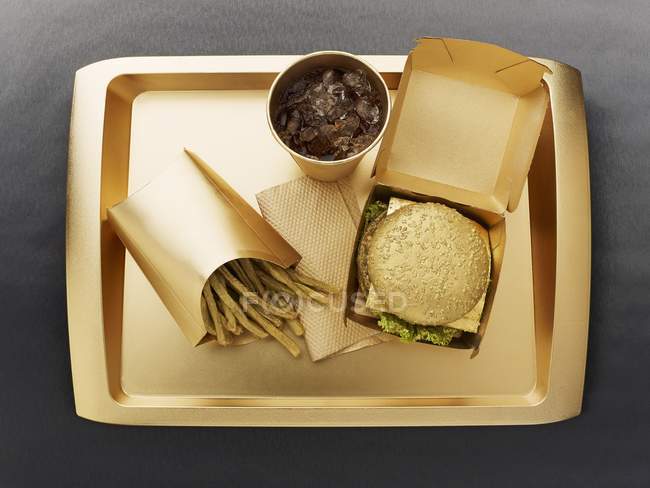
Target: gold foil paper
<point x="184" y="225"/>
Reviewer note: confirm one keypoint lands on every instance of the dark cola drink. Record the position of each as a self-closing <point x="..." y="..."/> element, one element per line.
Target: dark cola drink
<point x="329" y="114"/>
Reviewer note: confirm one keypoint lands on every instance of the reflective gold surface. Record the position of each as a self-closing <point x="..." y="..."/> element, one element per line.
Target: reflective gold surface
<point x="131" y="363"/>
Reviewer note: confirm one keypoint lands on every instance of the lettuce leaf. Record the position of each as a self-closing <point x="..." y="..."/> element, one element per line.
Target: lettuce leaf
<point x="407" y="332"/>
<point x="373" y="211"/>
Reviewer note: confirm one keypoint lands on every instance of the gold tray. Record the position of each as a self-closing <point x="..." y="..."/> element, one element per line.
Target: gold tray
<point x="131" y="363"/>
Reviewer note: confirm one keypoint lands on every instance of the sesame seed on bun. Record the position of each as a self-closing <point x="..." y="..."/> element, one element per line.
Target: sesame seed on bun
<point x="432" y="256"/>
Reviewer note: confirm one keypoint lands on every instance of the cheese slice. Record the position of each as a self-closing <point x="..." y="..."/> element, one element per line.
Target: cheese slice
<point x="374" y="301"/>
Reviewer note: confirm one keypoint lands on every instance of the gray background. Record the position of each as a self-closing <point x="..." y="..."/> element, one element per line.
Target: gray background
<point x="41" y="439"/>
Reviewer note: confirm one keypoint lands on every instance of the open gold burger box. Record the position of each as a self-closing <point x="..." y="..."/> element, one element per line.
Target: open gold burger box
<point x="131" y="363"/>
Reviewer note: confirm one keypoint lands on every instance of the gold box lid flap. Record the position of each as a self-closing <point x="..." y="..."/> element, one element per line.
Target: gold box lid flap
<point x="465" y="123"/>
<point x="186" y="223"/>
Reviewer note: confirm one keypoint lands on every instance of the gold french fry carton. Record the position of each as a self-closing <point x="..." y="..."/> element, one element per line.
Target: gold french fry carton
<point x="463" y="132"/>
<point x="182" y="226"/>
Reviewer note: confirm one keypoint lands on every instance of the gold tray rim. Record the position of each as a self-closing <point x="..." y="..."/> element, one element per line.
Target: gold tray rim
<point x="93" y="399"/>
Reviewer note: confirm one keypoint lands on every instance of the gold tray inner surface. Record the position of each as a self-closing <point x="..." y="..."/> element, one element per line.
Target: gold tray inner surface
<point x="149" y="118"/>
<point x="226" y="128"/>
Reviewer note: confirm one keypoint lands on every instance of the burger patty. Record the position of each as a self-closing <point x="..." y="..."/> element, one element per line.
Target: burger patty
<point x="362" y="253"/>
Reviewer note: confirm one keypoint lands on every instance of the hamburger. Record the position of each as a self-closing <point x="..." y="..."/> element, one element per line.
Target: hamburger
<point x="424" y="270"/>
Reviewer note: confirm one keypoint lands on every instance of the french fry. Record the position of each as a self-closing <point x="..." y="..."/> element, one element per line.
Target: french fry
<point x="249" y="271"/>
<point x="274" y="285"/>
<point x="312" y="282"/>
<point x="228" y="336"/>
<point x="312" y="294"/>
<point x="222" y="339"/>
<point x="237" y="270"/>
<point x="234" y="326"/>
<point x="218" y="284"/>
<point x="233" y="282"/>
<point x="300" y="289"/>
<point x="284" y="299"/>
<point x="287" y="302"/>
<point x="275" y="320"/>
<point x="259" y="297"/>
<point x="207" y="319"/>
<point x="229" y="320"/>
<point x="246" y="293"/>
<point x="285" y="312"/>
<point x="280" y="275"/>
<point x="274" y="332"/>
<point x="219" y="317"/>
<point x="296" y="326"/>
